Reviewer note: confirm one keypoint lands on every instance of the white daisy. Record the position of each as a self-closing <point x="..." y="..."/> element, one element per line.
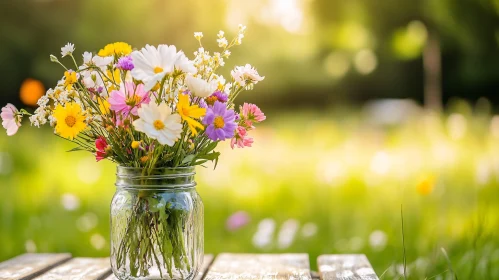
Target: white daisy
<point x="151" y="64"/>
<point x="67" y="49"/>
<point x="158" y="122"/>
<point x="184" y="64"/>
<point x="200" y="87"/>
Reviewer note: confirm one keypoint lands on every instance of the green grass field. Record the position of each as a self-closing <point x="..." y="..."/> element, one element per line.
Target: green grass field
<point x="311" y="183"/>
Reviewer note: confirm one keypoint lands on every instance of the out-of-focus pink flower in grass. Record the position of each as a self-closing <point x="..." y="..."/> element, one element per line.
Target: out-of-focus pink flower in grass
<point x="237" y="220"/>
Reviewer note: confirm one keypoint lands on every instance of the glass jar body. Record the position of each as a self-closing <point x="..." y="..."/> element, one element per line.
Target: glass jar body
<point x="156" y="224"/>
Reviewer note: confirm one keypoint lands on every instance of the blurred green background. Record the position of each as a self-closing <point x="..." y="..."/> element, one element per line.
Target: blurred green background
<point x="373" y="107"/>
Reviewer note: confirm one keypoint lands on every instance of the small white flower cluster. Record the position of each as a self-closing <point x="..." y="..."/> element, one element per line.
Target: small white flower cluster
<point x="240" y="34"/>
<point x="198" y="35"/>
<point x="53" y="97"/>
<point x="222" y="41"/>
<point x="91" y="77"/>
<point x="68" y="49"/>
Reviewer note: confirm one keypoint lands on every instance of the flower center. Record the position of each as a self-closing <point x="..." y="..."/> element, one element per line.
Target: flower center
<point x="185" y="111"/>
<point x="219" y="122"/>
<point x="157" y="70"/>
<point x="133" y="100"/>
<point x="70" y="121"/>
<point x="211" y="100"/>
<point x="159" y="125"/>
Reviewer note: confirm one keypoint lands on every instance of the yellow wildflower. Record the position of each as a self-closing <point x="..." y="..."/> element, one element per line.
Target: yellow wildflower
<point x="70" y="120"/>
<point x="135" y="144"/>
<point x="426" y="186"/>
<point x="114" y="76"/>
<point x="103" y="105"/>
<point x="144" y="159"/>
<point x="118" y="48"/>
<point x="70" y="79"/>
<point x="189" y="113"/>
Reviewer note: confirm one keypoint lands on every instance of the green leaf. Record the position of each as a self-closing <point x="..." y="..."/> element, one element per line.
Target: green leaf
<point x="210" y="156"/>
<point x="216" y="163"/>
<point x="211" y="147"/>
<point x="76" y="149"/>
<point x="155" y="205"/>
<point x="199" y="162"/>
<point x="188" y="159"/>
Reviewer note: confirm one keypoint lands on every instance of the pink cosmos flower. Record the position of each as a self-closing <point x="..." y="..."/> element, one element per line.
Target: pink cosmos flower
<point x="251" y="113"/>
<point x="102" y="148"/>
<point x="246" y="75"/>
<point x="127" y="101"/>
<point x="241" y="138"/>
<point x="11" y="120"/>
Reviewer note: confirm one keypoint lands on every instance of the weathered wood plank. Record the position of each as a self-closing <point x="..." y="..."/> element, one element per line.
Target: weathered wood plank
<point x="208" y="259"/>
<point x="79" y="269"/>
<point x="260" y="266"/>
<point x="28" y="266"/>
<point x="345" y="267"/>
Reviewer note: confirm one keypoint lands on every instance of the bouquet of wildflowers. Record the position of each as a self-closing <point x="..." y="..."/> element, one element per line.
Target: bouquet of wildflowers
<point x="148" y="108"/>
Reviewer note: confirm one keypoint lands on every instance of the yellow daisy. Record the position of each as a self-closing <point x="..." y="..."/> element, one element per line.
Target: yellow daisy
<point x="70" y="120"/>
<point x="189" y="113"/>
<point x="118" y="48"/>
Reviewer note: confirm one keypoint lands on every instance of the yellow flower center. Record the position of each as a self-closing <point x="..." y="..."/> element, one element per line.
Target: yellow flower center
<point x="70" y="121"/>
<point x="219" y="122"/>
<point x="211" y="100"/>
<point x="158" y="125"/>
<point x="158" y="69"/>
<point x="185" y="111"/>
<point x="133" y="100"/>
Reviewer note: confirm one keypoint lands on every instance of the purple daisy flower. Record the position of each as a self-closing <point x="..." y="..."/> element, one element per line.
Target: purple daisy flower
<point x="220" y="122"/>
<point x="217" y="96"/>
<point x="125" y="63"/>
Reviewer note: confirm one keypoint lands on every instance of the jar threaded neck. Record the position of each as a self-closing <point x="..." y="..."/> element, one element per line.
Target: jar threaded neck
<point x="155" y="178"/>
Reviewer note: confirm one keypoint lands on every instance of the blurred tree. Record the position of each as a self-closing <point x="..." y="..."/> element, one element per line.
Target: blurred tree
<point x="326" y="50"/>
<point x="467" y="31"/>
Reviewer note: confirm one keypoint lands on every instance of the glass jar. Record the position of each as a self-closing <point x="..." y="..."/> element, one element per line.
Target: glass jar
<point x="156" y="224"/>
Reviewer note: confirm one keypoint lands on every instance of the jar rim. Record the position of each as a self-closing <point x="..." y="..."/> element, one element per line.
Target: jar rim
<point x="121" y="167"/>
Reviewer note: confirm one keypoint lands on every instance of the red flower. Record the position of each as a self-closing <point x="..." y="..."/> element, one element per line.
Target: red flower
<point x="102" y="148"/>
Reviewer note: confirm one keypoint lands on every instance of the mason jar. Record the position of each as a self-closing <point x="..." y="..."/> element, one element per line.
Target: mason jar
<point x="156" y="224"/>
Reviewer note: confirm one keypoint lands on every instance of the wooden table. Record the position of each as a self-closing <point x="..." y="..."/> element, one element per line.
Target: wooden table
<point x="224" y="266"/>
